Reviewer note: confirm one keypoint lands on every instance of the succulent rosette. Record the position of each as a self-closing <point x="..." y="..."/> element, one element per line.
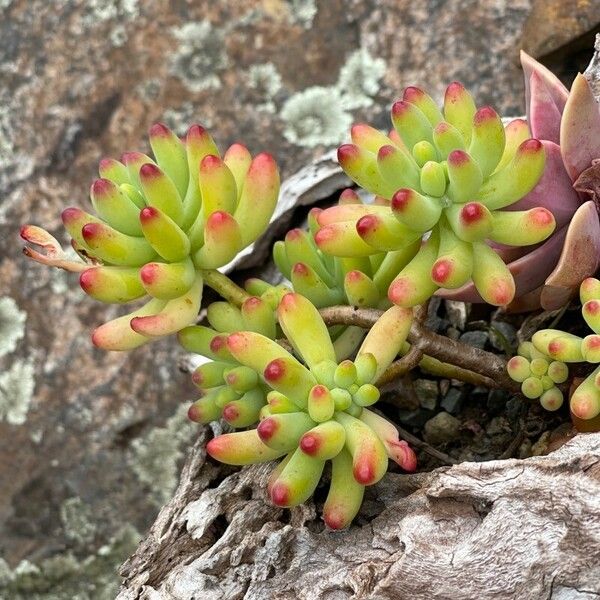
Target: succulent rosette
<point x="159" y="223"/>
<point x="538" y="375"/>
<point x="230" y="390"/>
<point x="326" y="280"/>
<point x="568" y="125"/>
<point x="447" y="182"/>
<point x="317" y="411"/>
<point x="569" y="348"/>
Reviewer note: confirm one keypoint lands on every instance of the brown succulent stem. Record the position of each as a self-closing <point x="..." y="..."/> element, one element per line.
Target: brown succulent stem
<point x="224" y="286"/>
<point x="490" y="367"/>
<point x="448" y="371"/>
<point x="401" y="367"/>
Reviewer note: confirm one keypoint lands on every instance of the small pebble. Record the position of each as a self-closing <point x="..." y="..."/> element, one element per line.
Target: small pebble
<point x="453" y="401"/>
<point x="441" y="429"/>
<point x="428" y="392"/>
<point x="476" y="339"/>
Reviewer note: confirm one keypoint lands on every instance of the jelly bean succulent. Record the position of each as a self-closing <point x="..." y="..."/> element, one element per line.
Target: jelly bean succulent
<point x="229" y="389"/>
<point x="569" y="348"/>
<point x="446" y="179"/>
<point x="317" y="410"/>
<point x="455" y="203"/>
<point x="538" y="375"/>
<point x="159" y="224"/>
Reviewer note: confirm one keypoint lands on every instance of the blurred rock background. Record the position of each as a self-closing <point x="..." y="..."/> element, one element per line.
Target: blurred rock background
<point x="91" y="443"/>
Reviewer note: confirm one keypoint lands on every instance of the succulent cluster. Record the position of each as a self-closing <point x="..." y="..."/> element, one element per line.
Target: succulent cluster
<point x="464" y="207"/>
<point x="158" y="224"/>
<point x="317" y="411"/>
<point x="445" y="178"/>
<point x="230" y="389"/>
<point x="538" y="375"/>
<point x="569" y="348"/>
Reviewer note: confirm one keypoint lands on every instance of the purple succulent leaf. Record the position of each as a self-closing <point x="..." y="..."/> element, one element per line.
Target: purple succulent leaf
<point x="588" y="183"/>
<point x="580" y="129"/>
<point x="579" y="258"/>
<point x="557" y="91"/>
<point x="527" y="302"/>
<point x="544" y="116"/>
<point x="554" y="190"/>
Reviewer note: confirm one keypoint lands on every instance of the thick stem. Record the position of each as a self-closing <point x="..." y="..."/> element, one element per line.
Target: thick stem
<point x="444" y="349"/>
<point x="224" y="286"/>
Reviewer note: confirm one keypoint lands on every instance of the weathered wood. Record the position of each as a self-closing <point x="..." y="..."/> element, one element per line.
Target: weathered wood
<point x="502" y="529"/>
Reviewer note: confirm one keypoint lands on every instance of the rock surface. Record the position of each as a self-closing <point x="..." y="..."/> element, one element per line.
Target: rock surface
<point x="502" y="529"/>
<point x="91" y="443"/>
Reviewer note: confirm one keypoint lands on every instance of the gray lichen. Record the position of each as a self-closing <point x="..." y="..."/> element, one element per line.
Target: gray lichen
<point x="76" y="518"/>
<point x="265" y="80"/>
<point x="65" y="577"/>
<point x="155" y="457"/>
<point x="16" y="390"/>
<point x="180" y="118"/>
<point x="200" y="56"/>
<point x="314" y="116"/>
<point x="303" y="11"/>
<point x="359" y="79"/>
<point x="12" y="325"/>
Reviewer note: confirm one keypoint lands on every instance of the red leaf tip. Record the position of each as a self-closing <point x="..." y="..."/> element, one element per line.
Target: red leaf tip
<point x="267" y="428"/>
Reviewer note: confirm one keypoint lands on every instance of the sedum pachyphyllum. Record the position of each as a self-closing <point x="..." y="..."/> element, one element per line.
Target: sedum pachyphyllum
<point x="159" y="224"/>
<point x="447" y="182"/>
<point x="569" y="348"/>
<point x="538" y="375"/>
<point x="230" y="389"/>
<point x="318" y="411"/>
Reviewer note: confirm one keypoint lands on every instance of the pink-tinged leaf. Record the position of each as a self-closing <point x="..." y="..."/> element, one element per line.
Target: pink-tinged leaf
<point x="529" y="271"/>
<point x="554" y="87"/>
<point x="580" y="128"/>
<point x="554" y="190"/>
<point x="53" y="255"/>
<point x="579" y="258"/>
<point x="544" y="116"/>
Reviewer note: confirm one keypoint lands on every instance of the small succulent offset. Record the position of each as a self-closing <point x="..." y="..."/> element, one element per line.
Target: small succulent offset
<point x="446" y="178"/>
<point x="159" y="224"/>
<point x="569" y="348"/>
<point x="538" y="375"/>
<point x="229" y="389"/>
<point x="317" y="411"/>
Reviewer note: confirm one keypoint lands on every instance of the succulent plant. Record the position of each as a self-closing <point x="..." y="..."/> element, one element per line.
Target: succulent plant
<point x="569" y="348"/>
<point x="317" y="411"/>
<point x="538" y="375"/>
<point x="568" y="125"/>
<point x="230" y="390"/>
<point x="447" y="179"/>
<point x="329" y="280"/>
<point x="159" y="224"/>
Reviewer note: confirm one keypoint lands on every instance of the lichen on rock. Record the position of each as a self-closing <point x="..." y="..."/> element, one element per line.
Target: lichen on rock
<point x="16" y="390"/>
<point x="155" y="457"/>
<point x="66" y="577"/>
<point x="76" y="518"/>
<point x="313" y="117"/>
<point x="359" y="79"/>
<point x="12" y="325"/>
<point x="265" y="81"/>
<point x="303" y="11"/>
<point x="200" y="56"/>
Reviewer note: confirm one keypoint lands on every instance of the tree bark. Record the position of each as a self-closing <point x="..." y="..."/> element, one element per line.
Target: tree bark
<point x="526" y="529"/>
